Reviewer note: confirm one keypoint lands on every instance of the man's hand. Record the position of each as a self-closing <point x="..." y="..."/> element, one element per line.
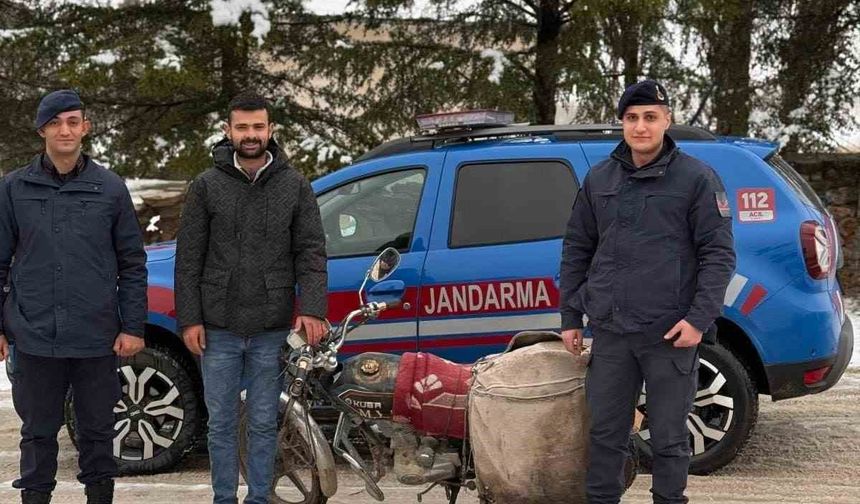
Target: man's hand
<point x="195" y="338"/>
<point x="4" y="347"/>
<point x="686" y="335"/>
<point x="314" y="328"/>
<point x="572" y="339"/>
<point x="127" y="345"/>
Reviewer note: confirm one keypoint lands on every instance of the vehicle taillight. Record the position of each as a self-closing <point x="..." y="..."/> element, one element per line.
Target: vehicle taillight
<point x="814" y="376"/>
<point x="817" y="248"/>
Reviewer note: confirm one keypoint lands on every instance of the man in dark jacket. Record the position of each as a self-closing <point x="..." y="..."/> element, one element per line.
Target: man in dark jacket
<point x="250" y="231"/>
<point x="647" y="257"/>
<point x="76" y="299"/>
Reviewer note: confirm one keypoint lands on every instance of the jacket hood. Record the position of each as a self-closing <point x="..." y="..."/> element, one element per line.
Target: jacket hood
<point x="222" y="155"/>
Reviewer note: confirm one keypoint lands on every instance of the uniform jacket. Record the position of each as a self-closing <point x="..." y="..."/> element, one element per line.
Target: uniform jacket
<point x="647" y="247"/>
<point x="78" y="276"/>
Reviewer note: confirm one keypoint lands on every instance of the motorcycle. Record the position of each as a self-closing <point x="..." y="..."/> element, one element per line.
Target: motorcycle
<point x="365" y="397"/>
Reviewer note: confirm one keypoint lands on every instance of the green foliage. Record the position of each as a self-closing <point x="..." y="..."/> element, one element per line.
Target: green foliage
<point x="157" y="75"/>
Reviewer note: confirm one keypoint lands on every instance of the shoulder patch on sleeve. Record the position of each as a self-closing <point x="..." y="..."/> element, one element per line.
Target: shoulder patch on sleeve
<point x="723" y="204"/>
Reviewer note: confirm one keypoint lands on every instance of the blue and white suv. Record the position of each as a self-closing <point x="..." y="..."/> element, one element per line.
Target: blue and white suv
<point x="478" y="214"/>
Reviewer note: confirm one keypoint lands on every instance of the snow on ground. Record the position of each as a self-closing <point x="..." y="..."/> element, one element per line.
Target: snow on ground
<point x="4" y="380"/>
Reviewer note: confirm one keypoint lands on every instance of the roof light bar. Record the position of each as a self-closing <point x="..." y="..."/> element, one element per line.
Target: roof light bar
<point x="465" y="119"/>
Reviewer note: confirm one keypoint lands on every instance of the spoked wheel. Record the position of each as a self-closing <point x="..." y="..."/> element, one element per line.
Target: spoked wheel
<point x="296" y="480"/>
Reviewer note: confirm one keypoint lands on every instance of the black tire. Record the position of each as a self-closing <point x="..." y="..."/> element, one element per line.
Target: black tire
<point x="159" y="422"/>
<point x="719" y="429"/>
<point x="291" y="448"/>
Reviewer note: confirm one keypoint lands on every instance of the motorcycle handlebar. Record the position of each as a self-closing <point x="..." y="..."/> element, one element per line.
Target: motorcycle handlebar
<point x="338" y="338"/>
<point x="369" y="310"/>
<point x="380" y="306"/>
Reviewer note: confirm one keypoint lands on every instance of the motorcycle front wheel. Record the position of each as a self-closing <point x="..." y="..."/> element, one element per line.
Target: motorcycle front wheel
<point x="296" y="479"/>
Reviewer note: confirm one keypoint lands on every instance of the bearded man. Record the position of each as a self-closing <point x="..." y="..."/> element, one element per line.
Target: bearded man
<point x="250" y="232"/>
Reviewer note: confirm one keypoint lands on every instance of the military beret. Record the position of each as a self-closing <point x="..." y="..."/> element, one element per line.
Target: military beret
<point x="56" y="103"/>
<point x="647" y="92"/>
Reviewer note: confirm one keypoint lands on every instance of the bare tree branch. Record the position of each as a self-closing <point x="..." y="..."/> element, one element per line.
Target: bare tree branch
<point x="530" y="13"/>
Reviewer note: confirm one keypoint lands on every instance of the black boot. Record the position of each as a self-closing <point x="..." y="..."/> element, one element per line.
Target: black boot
<point x="100" y="493"/>
<point x="34" y="497"/>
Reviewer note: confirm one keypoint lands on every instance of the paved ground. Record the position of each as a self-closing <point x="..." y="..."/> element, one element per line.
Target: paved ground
<point x="804" y="450"/>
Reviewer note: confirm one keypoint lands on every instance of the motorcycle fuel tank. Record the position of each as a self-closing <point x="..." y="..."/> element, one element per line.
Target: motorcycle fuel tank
<point x="366" y="384"/>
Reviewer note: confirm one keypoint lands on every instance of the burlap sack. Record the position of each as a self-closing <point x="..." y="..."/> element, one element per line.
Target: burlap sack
<point x="528" y="426"/>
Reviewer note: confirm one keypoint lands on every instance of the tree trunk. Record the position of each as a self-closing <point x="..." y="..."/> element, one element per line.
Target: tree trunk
<point x="807" y="53"/>
<point x="233" y="47"/>
<point x="630" y="41"/>
<point x="547" y="68"/>
<point x="729" y="61"/>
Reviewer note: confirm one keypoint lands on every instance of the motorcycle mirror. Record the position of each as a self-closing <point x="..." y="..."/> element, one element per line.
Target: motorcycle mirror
<point x="384" y="265"/>
<point x="381" y="268"/>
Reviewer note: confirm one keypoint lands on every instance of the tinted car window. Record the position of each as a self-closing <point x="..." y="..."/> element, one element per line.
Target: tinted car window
<point x="800" y="186"/>
<point x="365" y="216"/>
<point x="511" y="202"/>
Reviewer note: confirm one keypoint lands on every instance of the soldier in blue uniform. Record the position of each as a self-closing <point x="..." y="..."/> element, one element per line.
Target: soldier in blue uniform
<point x="75" y="299"/>
<point x="647" y="256"/>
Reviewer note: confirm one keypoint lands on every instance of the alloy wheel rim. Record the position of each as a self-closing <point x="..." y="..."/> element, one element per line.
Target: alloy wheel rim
<point x="713" y="412"/>
<point x="149" y="415"/>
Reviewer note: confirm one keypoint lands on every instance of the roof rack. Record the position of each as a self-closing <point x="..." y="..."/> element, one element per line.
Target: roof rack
<point x="569" y="132"/>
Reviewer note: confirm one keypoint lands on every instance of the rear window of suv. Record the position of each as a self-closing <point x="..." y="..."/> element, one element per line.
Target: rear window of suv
<point x="510" y="202"/>
<point x="800" y="186"/>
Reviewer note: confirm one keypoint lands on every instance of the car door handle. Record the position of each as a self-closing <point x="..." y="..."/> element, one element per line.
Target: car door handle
<point x="388" y="288"/>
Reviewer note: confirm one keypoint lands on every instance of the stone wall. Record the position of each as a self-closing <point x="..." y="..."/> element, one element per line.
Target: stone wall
<point x="158" y="204"/>
<point x="836" y="178"/>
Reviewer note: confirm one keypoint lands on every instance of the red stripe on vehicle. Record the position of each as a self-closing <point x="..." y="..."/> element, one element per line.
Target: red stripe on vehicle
<point x="342" y="302"/>
<point x="160" y="300"/>
<point x="756" y="295"/>
<point x="409" y="345"/>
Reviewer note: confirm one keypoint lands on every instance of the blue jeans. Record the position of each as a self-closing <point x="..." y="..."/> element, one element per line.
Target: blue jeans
<point x="229" y="364"/>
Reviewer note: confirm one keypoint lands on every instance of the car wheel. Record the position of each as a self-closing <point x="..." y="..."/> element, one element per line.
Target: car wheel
<point x="724" y="413"/>
<point x="159" y="416"/>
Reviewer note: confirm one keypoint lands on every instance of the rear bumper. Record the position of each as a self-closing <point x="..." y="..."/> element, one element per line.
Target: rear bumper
<point x="786" y="380"/>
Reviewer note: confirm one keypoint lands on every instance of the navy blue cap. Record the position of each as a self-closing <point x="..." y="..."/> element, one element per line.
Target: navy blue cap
<point x="647" y="92"/>
<point x="56" y="103"/>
